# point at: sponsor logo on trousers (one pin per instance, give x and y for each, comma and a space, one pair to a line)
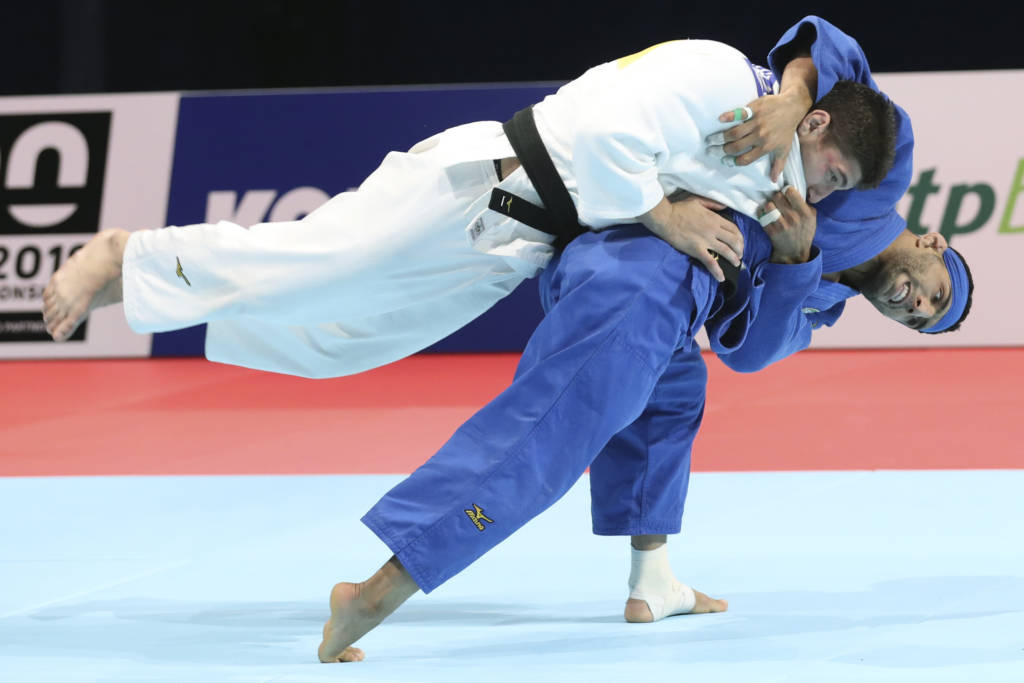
477, 516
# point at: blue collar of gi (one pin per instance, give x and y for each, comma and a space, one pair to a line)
959, 285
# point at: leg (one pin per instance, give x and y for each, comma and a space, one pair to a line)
618, 307
336, 349
639, 481
396, 241
617, 310
399, 238
591, 364
638, 487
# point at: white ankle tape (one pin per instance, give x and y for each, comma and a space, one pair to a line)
651, 580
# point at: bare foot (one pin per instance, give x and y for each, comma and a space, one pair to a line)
638, 612
91, 278
356, 608
338, 634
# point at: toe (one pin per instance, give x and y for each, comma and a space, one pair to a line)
706, 604
52, 321
64, 330
352, 654
349, 654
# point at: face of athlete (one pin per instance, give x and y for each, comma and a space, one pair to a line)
826, 169
911, 284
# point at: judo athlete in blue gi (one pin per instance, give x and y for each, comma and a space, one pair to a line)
612, 370
611, 379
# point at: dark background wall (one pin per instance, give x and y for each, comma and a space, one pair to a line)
67, 46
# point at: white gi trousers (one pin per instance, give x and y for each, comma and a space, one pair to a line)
370, 277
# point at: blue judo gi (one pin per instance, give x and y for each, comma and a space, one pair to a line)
615, 351
612, 378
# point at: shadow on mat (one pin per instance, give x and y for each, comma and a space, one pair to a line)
272, 633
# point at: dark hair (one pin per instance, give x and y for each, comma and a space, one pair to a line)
863, 127
970, 295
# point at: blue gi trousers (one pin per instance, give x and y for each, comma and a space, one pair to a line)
613, 360
638, 482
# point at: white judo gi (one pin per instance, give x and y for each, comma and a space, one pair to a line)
413, 254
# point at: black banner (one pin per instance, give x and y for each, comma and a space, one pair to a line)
52, 168
29, 327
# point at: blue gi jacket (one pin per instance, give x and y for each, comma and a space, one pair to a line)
787, 302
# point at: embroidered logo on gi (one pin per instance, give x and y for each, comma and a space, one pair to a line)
181, 273
477, 516
506, 202
477, 229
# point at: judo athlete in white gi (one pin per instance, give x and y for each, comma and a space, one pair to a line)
412, 255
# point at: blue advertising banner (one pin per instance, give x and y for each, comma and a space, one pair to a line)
256, 157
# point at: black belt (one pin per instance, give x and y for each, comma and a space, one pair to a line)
731, 273
558, 216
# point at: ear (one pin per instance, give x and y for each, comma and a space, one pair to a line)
935, 241
816, 122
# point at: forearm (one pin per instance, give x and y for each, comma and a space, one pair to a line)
656, 220
800, 81
792, 255
836, 55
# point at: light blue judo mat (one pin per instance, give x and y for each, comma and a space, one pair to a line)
840, 576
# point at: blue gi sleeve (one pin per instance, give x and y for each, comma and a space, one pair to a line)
826, 318
773, 325
836, 55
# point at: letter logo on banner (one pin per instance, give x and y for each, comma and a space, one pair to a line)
952, 223
1015, 191
255, 205
51, 172
52, 169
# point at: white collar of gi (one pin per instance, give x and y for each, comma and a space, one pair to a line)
793, 171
